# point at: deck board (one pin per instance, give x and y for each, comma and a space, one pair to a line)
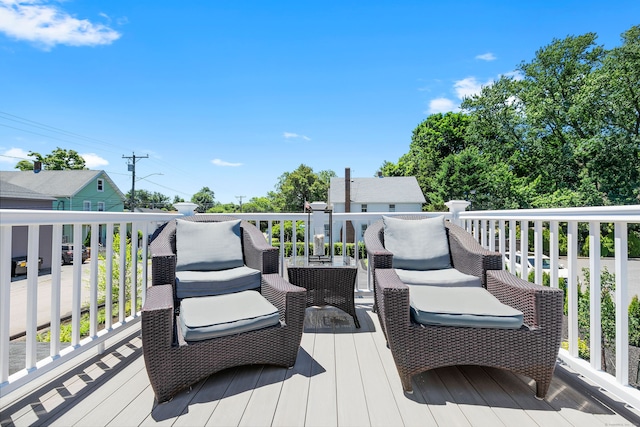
343, 377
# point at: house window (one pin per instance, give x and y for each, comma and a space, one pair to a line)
86, 205
363, 228
392, 208
101, 206
364, 207
101, 185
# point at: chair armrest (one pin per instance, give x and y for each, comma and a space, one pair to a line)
392, 299
258, 254
163, 269
157, 318
289, 299
541, 305
469, 257
377, 255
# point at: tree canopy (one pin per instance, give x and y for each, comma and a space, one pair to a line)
58, 159
300, 186
564, 131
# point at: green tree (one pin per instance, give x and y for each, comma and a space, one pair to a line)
300, 186
205, 199
58, 159
432, 141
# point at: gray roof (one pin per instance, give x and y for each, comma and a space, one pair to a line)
12, 191
404, 189
55, 183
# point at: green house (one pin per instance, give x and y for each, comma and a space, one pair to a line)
71, 190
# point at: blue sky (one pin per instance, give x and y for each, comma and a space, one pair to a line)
231, 94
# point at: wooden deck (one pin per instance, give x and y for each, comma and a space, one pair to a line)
343, 377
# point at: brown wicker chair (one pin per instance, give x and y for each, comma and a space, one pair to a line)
173, 363
531, 350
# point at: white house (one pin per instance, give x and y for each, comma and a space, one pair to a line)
382, 194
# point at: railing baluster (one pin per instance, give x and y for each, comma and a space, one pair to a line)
572, 286
512, 246
537, 250
108, 297
56, 278
622, 303
32, 294
77, 284
122, 279
502, 239
524, 249
134, 269
5, 299
492, 235
595, 320
93, 290
553, 253
145, 261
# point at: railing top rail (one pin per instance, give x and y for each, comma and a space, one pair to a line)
628, 213
48, 217
336, 215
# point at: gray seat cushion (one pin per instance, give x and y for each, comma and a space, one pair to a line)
417, 244
461, 306
204, 318
208, 245
205, 283
445, 277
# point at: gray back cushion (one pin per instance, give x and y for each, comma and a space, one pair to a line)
417, 244
206, 246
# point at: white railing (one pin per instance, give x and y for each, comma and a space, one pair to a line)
496, 230
19, 308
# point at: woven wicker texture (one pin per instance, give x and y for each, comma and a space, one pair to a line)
531, 350
174, 364
332, 286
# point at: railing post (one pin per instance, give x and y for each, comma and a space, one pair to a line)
455, 207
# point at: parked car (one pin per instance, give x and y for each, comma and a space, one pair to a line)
67, 253
563, 273
19, 265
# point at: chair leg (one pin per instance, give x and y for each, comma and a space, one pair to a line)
542, 387
406, 383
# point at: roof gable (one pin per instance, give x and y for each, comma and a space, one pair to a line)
404, 189
55, 183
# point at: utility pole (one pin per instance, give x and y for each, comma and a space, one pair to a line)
240, 199
132, 168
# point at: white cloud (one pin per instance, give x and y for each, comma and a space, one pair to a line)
469, 86
219, 162
441, 105
93, 161
515, 75
47, 26
14, 155
289, 135
486, 57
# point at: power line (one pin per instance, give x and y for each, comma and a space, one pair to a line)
49, 128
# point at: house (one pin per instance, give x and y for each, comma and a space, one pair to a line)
381, 194
70, 190
73, 190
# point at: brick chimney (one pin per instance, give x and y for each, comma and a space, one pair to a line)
347, 203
